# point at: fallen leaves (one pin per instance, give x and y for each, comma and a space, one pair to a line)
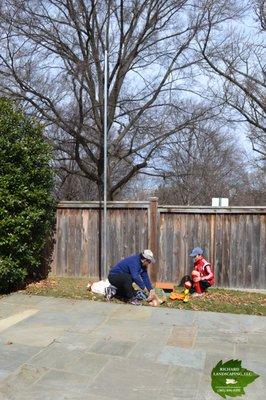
217, 300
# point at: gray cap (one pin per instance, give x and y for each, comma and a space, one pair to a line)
148, 254
196, 251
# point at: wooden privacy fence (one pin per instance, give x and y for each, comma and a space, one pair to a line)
234, 240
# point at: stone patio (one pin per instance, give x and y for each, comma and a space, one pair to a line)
55, 349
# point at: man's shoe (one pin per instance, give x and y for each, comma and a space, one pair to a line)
134, 302
110, 292
140, 295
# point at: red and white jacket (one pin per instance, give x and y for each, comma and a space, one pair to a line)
205, 270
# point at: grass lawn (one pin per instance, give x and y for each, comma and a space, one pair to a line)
217, 300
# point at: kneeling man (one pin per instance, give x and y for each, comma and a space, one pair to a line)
131, 269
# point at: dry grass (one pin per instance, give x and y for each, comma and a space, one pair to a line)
216, 300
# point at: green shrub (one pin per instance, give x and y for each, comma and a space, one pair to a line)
26, 204
11, 276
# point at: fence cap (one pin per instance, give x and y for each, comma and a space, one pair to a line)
126, 204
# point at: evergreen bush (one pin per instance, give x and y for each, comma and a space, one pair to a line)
26, 203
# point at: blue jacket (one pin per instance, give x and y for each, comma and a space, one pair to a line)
132, 265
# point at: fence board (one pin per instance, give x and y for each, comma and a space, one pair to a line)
255, 249
262, 252
226, 254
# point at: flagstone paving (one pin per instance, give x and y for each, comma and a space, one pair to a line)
55, 349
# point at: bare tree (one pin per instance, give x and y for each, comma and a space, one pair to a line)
260, 10
237, 59
253, 190
69, 184
52, 59
206, 163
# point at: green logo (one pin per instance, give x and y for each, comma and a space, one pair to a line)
230, 379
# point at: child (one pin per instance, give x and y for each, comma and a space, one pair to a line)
202, 275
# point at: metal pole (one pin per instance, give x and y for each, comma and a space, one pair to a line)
105, 160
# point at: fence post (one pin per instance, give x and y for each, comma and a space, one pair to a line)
153, 235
